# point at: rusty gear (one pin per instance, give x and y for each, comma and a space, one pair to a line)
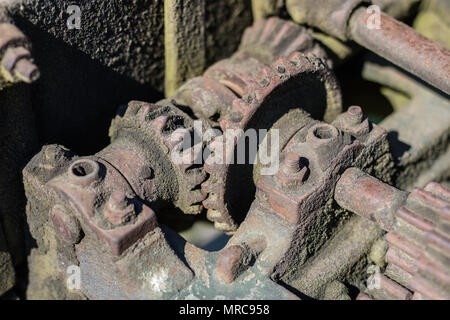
418, 255
326, 204
164, 127
16, 63
274, 92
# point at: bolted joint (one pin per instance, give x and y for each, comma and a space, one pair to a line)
66, 226
293, 170
354, 122
354, 115
118, 209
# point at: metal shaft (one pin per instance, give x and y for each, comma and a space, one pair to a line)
369, 197
403, 46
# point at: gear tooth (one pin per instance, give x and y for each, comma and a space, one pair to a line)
277, 37
211, 188
207, 187
419, 244
196, 178
438, 190
318, 52
211, 204
160, 122
254, 33
173, 140
213, 215
427, 199
302, 42
271, 28
197, 196
133, 107
191, 158
224, 226
246, 37
288, 31
194, 209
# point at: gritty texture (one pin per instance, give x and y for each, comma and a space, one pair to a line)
18, 143
125, 36
184, 39
7, 275
225, 21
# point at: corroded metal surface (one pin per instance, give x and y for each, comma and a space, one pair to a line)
16, 62
347, 20
234, 91
283, 216
415, 53
420, 150
417, 258
339, 217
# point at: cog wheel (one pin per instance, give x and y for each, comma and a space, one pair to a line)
211, 95
166, 128
419, 248
285, 86
272, 38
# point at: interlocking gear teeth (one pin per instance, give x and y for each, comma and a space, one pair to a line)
419, 246
283, 69
272, 38
166, 125
237, 73
208, 98
297, 67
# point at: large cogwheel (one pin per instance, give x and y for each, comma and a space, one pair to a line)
161, 129
298, 82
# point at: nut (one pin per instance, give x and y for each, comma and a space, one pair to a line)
118, 210
353, 122
293, 170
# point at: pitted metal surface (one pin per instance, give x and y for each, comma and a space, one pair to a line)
349, 212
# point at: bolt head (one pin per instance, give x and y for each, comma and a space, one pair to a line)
355, 111
118, 210
292, 171
236, 116
117, 200
353, 121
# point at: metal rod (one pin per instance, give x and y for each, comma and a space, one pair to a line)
400, 44
369, 197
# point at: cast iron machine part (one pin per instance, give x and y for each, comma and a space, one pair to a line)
99, 211
393, 40
295, 232
95, 218
107, 197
